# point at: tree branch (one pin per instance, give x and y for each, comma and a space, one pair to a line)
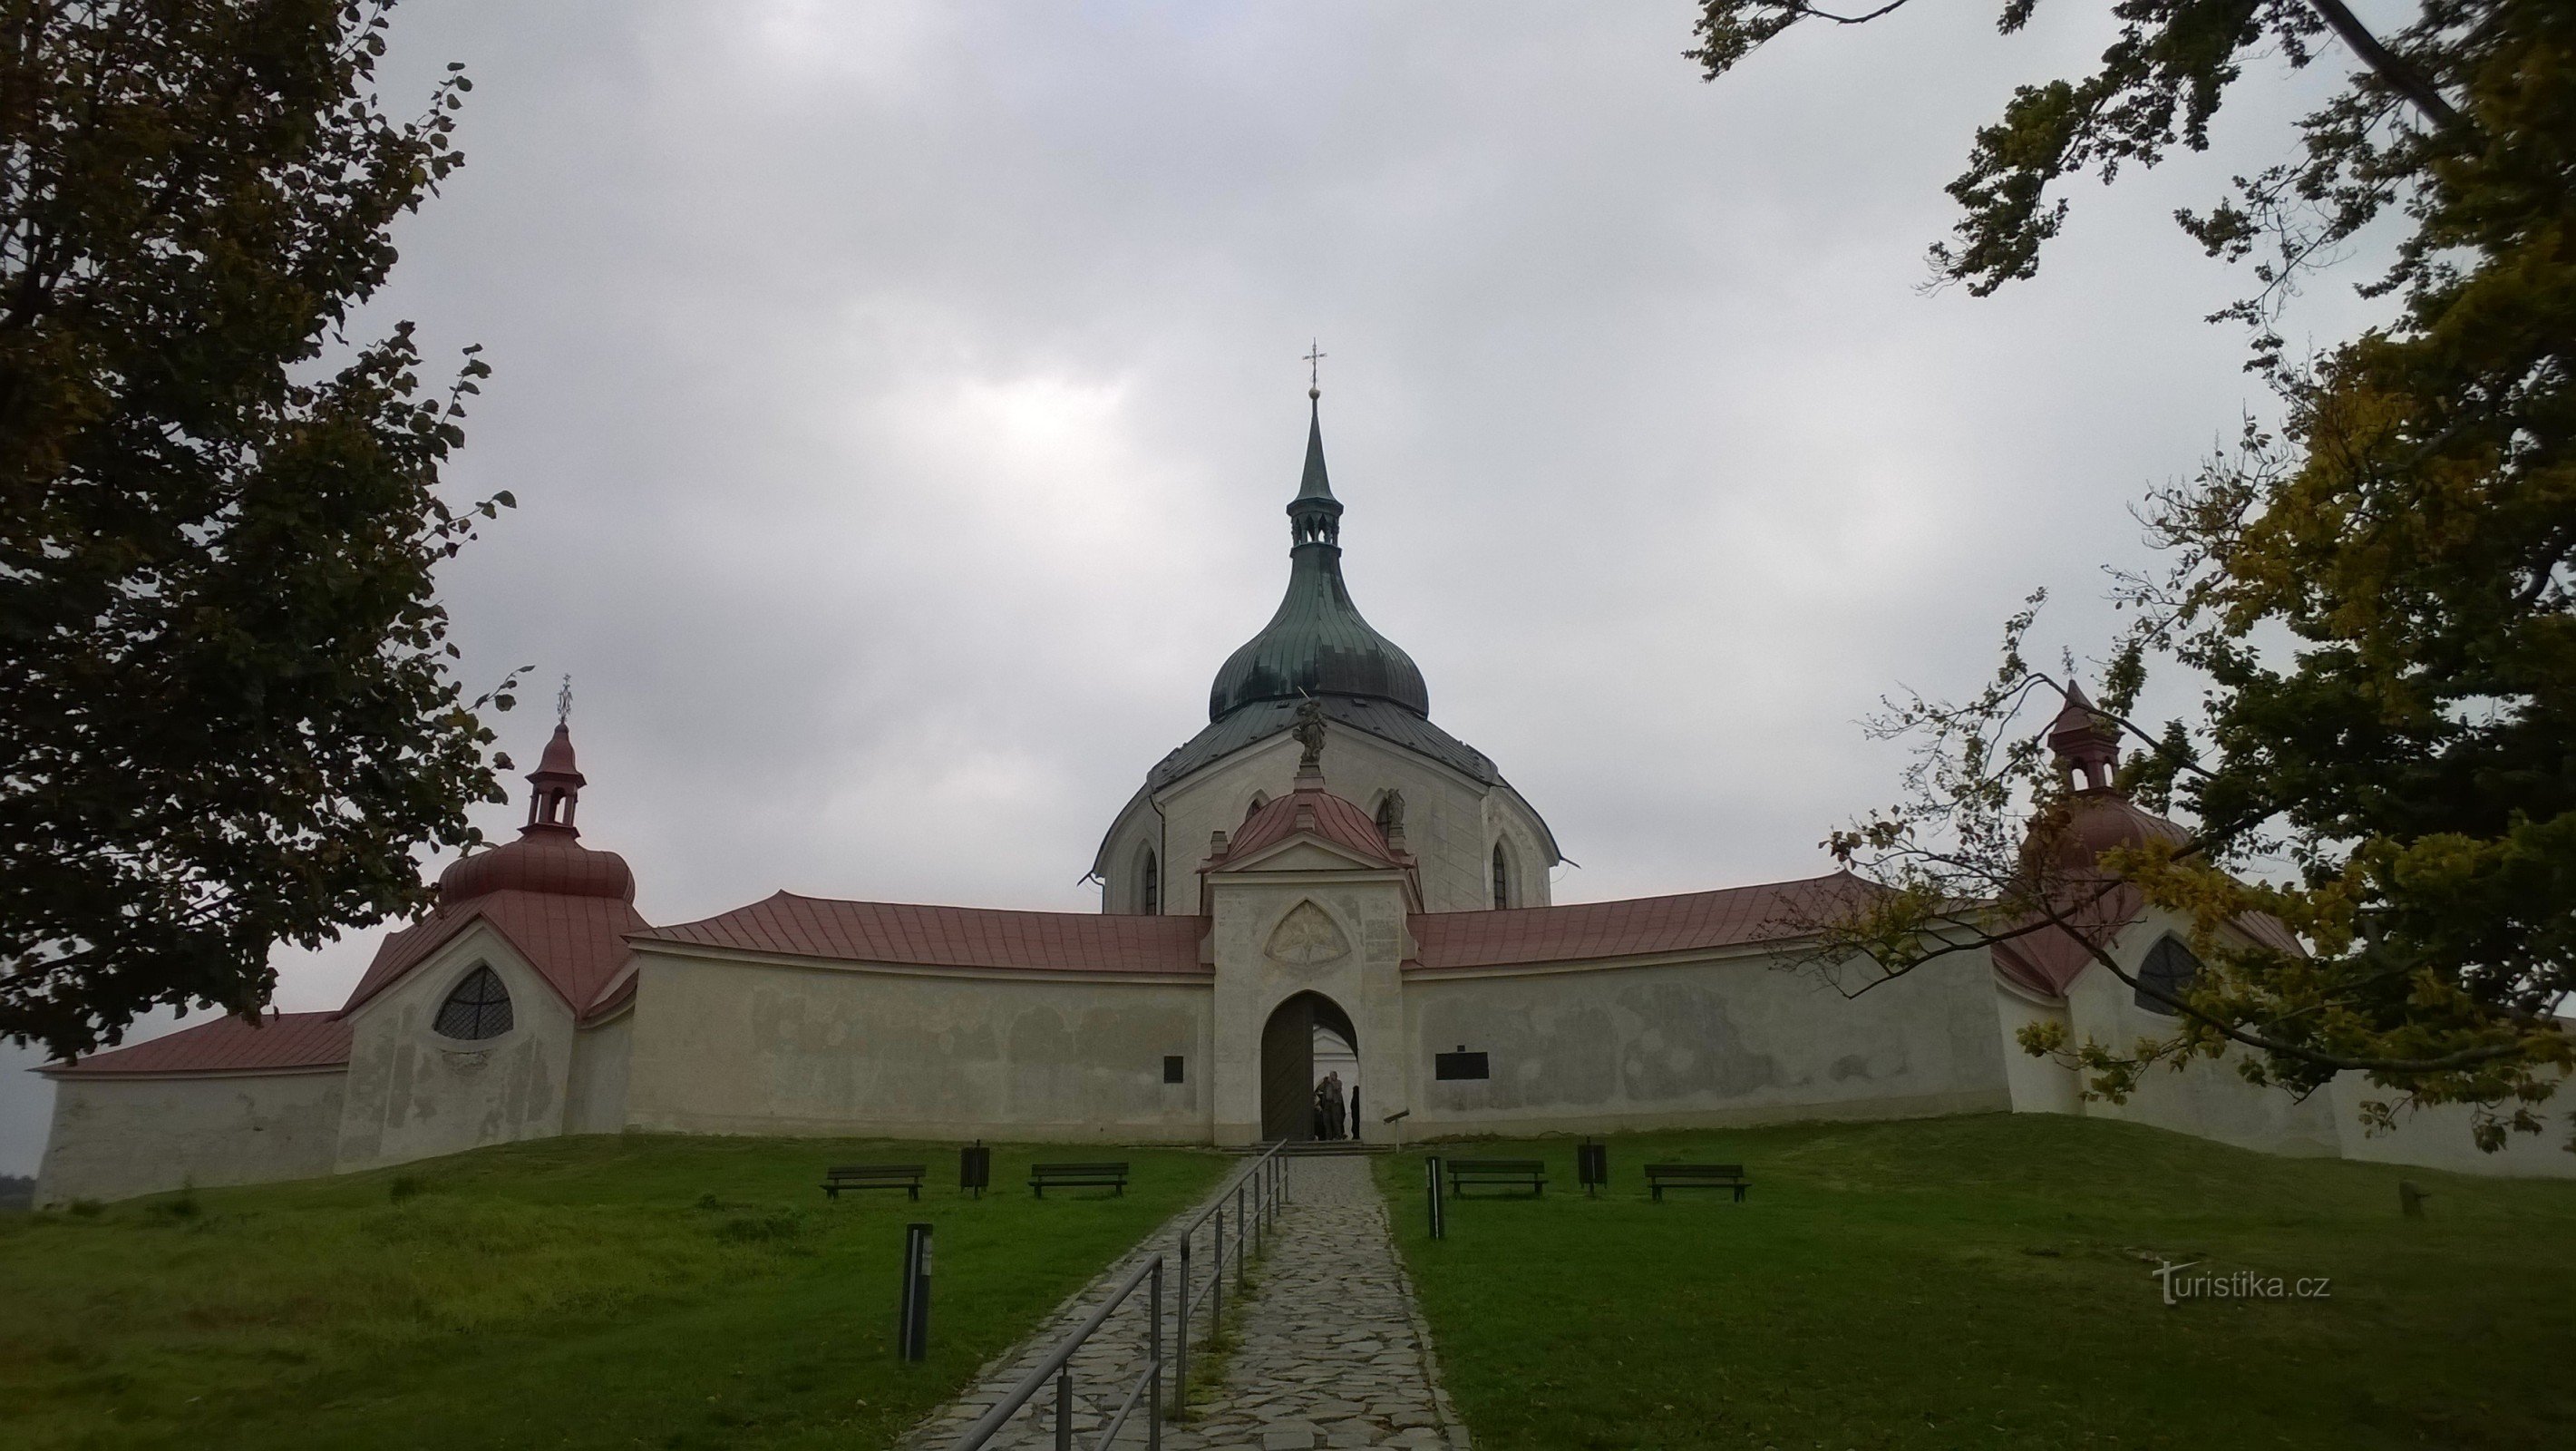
2401, 77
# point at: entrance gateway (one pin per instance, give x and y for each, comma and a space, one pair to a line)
1288, 1062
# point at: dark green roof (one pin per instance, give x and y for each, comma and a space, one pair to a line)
1316, 644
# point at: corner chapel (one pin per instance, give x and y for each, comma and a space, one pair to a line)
1322, 879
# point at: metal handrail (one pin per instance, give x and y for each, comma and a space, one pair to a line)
1266, 1181
1059, 1364
1267, 1177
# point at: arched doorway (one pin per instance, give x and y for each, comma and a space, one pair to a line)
1288, 1062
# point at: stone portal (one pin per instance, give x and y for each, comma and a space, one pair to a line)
1288, 1062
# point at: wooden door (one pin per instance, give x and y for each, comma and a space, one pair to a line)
1288, 1071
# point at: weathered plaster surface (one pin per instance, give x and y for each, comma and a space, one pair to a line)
596, 1096
1739, 1039
1367, 912
748, 1047
116, 1138
1450, 821
413, 1093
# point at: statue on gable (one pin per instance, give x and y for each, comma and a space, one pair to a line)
1309, 731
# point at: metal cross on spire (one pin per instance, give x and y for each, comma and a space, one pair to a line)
1315, 355
563, 702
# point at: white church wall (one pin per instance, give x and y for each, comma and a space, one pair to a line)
2205, 1097
744, 1046
1367, 909
116, 1138
595, 1097
2038, 1085
1450, 821
414, 1093
2438, 1137
1730, 1040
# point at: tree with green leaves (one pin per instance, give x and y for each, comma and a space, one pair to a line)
2374, 594
227, 713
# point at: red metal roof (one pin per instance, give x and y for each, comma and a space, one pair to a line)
919, 936
280, 1041
576, 943
2049, 959
1640, 925
1315, 810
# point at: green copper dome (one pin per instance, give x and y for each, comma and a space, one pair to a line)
1316, 644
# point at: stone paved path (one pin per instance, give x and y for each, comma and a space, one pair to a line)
1331, 1353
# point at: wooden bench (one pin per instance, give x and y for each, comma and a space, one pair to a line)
1506, 1173
906, 1177
1659, 1177
1043, 1177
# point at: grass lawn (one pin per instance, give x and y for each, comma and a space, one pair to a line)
616, 1291
1979, 1281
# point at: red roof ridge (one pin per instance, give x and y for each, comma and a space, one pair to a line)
276, 1043
574, 943
1630, 927
1317, 812
929, 935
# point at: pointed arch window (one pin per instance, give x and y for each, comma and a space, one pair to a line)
1390, 814
1259, 800
478, 1008
1149, 895
2167, 974
1502, 877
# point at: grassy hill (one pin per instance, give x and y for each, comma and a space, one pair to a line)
1986, 1281
627, 1291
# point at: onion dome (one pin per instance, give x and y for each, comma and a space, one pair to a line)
548, 857
1317, 644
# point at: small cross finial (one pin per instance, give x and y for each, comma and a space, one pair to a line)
563, 702
1315, 355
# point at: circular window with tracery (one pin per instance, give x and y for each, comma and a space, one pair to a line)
479, 1008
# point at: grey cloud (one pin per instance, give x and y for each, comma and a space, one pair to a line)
902, 400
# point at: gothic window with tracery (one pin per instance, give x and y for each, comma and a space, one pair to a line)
478, 1008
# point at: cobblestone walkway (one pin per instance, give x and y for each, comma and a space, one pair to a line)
1331, 1351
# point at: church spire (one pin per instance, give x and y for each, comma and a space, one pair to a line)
1317, 644
1314, 516
557, 780
2086, 742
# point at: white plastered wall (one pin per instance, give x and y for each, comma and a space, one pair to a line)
1451, 821
746, 1045
596, 1098
414, 1093
1730, 1039
1368, 909
115, 1138
2209, 1099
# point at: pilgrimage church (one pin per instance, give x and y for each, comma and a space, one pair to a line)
1324, 875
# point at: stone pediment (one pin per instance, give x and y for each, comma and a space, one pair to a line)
1308, 856
1307, 937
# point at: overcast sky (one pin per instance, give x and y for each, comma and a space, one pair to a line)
901, 401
